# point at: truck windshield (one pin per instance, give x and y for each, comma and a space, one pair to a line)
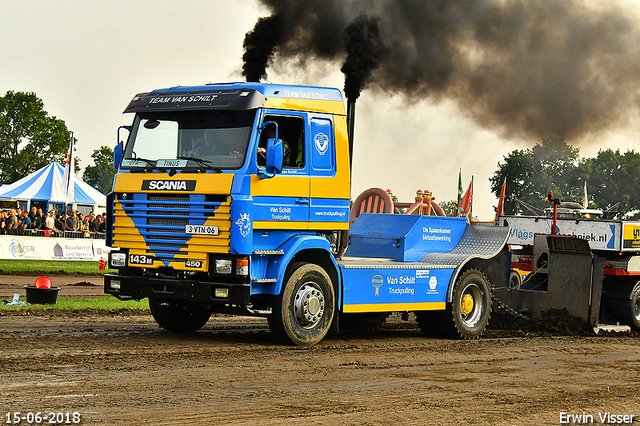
211, 139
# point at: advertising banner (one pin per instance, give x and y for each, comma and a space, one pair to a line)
600, 234
43, 248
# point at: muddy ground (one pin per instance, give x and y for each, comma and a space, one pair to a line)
119, 368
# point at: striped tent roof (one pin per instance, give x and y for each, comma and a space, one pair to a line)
46, 185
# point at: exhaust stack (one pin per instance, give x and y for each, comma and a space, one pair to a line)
351, 117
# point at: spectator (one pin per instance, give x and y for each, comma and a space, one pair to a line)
25, 223
42, 217
93, 224
71, 223
3, 217
50, 224
101, 224
11, 222
84, 226
59, 224
35, 218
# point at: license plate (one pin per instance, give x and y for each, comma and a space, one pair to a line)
201, 230
193, 264
140, 259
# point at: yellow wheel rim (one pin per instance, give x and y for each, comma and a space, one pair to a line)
466, 305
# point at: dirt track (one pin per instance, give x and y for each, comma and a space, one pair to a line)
118, 368
70, 285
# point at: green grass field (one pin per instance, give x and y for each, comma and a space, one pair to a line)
49, 266
105, 303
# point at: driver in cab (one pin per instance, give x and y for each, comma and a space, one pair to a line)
207, 146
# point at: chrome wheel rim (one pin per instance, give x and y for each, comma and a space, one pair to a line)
309, 305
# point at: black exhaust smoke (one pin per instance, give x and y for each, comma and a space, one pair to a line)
532, 69
361, 39
259, 45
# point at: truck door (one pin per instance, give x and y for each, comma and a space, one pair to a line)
282, 202
329, 202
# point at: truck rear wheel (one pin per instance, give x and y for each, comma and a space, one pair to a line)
515, 281
470, 309
178, 317
305, 307
628, 308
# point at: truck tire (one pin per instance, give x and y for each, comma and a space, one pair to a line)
470, 309
628, 308
179, 317
304, 310
515, 281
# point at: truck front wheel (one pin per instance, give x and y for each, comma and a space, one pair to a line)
305, 307
179, 317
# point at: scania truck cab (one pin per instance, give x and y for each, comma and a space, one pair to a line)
234, 198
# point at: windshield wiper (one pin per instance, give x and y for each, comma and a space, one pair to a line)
201, 162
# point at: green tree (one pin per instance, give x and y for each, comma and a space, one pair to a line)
101, 174
29, 138
518, 170
613, 177
530, 173
448, 207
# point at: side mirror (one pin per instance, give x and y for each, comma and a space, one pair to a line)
275, 155
275, 158
118, 150
117, 154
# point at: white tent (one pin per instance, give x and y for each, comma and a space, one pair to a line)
46, 185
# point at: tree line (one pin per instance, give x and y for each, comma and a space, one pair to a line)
31, 139
612, 178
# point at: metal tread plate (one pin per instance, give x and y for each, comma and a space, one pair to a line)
482, 242
374, 263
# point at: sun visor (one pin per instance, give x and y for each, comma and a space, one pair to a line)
227, 99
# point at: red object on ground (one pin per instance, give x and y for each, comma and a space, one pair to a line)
101, 265
43, 282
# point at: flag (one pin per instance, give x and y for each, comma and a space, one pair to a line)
465, 203
585, 201
455, 212
500, 208
68, 176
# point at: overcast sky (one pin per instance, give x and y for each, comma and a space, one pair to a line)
87, 59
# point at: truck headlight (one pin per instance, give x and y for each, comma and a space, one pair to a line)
115, 285
223, 266
118, 260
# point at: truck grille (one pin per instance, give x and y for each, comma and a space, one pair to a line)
161, 220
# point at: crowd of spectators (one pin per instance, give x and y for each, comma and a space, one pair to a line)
37, 223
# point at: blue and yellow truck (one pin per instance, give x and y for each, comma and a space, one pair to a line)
235, 198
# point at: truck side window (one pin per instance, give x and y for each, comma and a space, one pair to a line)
291, 131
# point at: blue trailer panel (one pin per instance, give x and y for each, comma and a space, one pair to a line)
375, 286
